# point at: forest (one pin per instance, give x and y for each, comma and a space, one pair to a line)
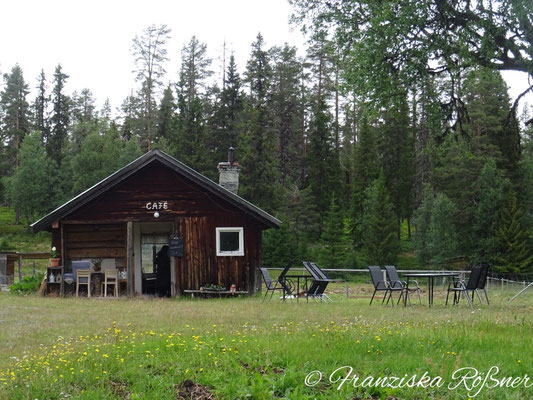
366, 147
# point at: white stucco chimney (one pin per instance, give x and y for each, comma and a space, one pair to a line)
229, 173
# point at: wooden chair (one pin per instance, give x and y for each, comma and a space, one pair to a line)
110, 278
83, 277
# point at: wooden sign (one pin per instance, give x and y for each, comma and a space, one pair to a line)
175, 247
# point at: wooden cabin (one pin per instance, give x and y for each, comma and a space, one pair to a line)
214, 236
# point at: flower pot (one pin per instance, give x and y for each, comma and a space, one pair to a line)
54, 262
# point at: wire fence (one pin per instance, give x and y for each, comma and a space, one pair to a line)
353, 280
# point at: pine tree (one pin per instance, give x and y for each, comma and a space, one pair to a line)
60, 117
190, 142
258, 142
40, 109
14, 121
379, 225
515, 256
150, 55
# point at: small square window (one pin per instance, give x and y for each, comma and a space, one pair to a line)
230, 241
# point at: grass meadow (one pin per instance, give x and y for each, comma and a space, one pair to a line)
56, 348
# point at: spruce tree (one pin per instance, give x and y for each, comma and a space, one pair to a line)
379, 225
60, 117
257, 146
190, 142
491, 186
422, 219
40, 109
165, 117
442, 237
14, 122
332, 250
515, 256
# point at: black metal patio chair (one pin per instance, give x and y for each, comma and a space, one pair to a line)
319, 282
380, 284
483, 281
281, 284
459, 287
395, 282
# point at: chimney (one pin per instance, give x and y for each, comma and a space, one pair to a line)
229, 173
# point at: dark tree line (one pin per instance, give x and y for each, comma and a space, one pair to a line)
356, 179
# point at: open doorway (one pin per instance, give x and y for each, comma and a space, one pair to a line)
152, 262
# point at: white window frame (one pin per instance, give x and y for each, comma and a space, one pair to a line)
240, 251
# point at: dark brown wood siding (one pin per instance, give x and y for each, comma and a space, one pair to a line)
200, 264
95, 241
155, 183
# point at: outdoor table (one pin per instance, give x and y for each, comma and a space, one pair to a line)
298, 277
431, 281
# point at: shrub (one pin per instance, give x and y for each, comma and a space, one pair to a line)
29, 284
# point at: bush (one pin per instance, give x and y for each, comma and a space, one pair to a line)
29, 284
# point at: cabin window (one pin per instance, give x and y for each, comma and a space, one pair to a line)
230, 241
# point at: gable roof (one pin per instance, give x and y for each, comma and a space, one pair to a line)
135, 166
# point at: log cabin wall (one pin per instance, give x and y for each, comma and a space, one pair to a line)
95, 241
200, 264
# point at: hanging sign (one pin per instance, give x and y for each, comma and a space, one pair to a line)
175, 247
156, 205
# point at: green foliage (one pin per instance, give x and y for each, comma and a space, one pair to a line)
29, 284
422, 220
491, 185
515, 256
97, 159
442, 238
279, 247
391, 44
379, 225
60, 119
333, 249
32, 187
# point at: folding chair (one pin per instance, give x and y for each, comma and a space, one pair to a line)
382, 285
272, 286
395, 282
483, 281
323, 280
462, 287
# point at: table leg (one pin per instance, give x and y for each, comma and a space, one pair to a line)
405, 294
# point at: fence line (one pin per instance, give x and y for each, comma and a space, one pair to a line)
491, 280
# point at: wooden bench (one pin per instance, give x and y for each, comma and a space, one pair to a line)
219, 293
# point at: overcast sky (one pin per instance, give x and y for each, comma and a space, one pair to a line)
92, 39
